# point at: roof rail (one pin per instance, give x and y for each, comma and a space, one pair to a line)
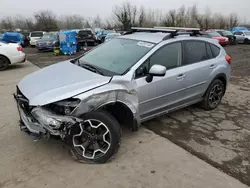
172, 31
179, 28
150, 30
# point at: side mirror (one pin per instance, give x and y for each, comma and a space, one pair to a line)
156, 70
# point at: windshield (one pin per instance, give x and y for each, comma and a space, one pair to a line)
227, 33
85, 32
36, 34
49, 36
113, 35
247, 33
214, 34
117, 56
108, 31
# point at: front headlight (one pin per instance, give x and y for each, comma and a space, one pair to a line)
46, 117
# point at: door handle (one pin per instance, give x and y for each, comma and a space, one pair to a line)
181, 76
212, 66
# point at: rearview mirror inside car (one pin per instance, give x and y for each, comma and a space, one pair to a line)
156, 70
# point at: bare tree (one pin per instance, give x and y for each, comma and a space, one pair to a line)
45, 20
23, 23
142, 17
181, 17
125, 14
97, 22
87, 24
7, 23
233, 20
71, 22
207, 18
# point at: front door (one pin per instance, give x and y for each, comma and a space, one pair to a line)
163, 92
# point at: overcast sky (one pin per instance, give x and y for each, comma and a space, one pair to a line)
90, 8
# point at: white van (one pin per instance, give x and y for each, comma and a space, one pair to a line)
35, 36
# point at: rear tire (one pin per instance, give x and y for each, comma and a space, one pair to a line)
96, 145
246, 41
4, 63
213, 95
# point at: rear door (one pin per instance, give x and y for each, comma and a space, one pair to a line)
197, 65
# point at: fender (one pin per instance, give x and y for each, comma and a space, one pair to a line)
108, 94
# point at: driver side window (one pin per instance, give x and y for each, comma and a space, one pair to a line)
168, 56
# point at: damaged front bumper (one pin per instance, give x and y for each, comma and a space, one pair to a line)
37, 120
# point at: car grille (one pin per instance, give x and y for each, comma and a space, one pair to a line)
23, 101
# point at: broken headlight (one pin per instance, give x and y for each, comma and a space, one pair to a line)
64, 107
48, 118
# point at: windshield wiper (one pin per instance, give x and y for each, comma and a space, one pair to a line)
91, 68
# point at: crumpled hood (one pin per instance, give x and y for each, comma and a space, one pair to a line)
59, 81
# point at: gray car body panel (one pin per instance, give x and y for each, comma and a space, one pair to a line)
57, 82
145, 100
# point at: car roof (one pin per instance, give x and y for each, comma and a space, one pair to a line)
158, 37
145, 36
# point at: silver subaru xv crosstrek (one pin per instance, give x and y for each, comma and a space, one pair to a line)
128, 80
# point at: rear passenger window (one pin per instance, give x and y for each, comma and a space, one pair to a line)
209, 52
194, 51
215, 50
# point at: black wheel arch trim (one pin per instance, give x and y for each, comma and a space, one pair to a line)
218, 76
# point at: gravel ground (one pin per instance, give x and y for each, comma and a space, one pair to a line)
220, 137
144, 160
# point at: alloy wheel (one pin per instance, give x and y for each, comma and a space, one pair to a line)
93, 140
215, 95
3, 64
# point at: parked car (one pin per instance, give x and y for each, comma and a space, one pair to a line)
86, 36
13, 37
215, 35
102, 34
111, 36
48, 42
10, 53
242, 36
34, 37
225, 33
128, 80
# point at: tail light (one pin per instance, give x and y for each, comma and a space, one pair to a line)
19, 48
228, 59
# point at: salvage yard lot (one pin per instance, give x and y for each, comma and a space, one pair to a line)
220, 137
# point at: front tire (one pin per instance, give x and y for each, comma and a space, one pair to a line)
213, 95
4, 63
97, 139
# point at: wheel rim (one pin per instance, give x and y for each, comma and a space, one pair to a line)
93, 140
3, 64
215, 95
